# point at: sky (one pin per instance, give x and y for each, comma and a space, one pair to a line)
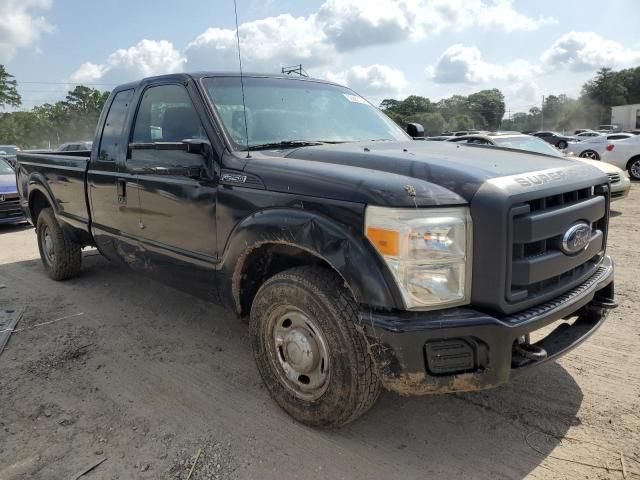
380, 48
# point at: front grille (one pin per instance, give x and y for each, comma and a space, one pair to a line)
560, 301
10, 207
539, 269
613, 177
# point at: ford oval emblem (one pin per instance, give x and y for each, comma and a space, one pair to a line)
577, 238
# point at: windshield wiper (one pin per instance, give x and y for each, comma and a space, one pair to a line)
286, 143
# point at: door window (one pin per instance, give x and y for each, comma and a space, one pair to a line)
166, 114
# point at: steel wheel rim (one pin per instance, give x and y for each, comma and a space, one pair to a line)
635, 169
47, 246
299, 353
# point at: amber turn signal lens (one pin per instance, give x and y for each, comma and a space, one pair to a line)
387, 242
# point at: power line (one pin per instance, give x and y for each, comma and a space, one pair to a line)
67, 83
42, 91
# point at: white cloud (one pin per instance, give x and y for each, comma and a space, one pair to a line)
316, 40
523, 91
351, 24
458, 15
375, 80
462, 64
585, 51
344, 25
501, 14
266, 45
88, 72
145, 59
19, 26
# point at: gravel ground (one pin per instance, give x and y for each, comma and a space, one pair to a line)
146, 376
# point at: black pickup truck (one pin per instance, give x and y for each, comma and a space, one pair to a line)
365, 258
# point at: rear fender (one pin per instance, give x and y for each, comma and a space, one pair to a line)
38, 183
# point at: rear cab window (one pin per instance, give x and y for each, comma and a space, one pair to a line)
113, 127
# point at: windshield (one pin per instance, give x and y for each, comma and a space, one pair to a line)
531, 144
293, 111
5, 168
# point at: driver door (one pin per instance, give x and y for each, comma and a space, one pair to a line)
177, 195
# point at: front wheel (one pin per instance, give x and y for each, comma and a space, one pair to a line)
562, 145
590, 154
634, 168
61, 255
312, 358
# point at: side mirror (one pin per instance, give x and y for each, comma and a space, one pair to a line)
415, 130
197, 146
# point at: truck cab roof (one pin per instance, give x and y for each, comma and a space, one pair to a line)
183, 77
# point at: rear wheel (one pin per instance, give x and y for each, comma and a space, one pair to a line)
313, 360
590, 154
634, 168
61, 255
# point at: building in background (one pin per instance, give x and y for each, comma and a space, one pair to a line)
626, 116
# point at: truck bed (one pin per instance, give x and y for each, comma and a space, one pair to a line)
60, 176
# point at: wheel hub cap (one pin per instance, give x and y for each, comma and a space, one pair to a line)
300, 350
300, 353
48, 246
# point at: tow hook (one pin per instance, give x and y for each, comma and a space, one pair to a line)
525, 350
607, 305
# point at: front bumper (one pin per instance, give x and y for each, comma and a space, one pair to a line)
620, 190
8, 221
462, 349
11, 212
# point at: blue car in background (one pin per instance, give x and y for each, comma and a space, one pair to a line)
10, 211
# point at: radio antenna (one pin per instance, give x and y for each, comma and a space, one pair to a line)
244, 106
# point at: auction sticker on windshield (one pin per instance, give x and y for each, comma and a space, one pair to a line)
355, 98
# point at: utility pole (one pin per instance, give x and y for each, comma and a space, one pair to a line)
542, 115
509, 119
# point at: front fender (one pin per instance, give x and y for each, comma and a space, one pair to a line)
351, 256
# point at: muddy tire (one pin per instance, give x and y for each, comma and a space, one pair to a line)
312, 358
61, 256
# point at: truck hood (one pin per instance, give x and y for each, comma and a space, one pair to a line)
411, 173
8, 184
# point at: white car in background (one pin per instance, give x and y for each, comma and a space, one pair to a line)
625, 154
620, 184
588, 133
594, 146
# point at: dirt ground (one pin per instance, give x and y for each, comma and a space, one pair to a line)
144, 376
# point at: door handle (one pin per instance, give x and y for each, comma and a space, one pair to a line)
121, 186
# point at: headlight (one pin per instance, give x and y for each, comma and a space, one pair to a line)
428, 252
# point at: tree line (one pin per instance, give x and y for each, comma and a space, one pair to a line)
485, 110
48, 125
76, 117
